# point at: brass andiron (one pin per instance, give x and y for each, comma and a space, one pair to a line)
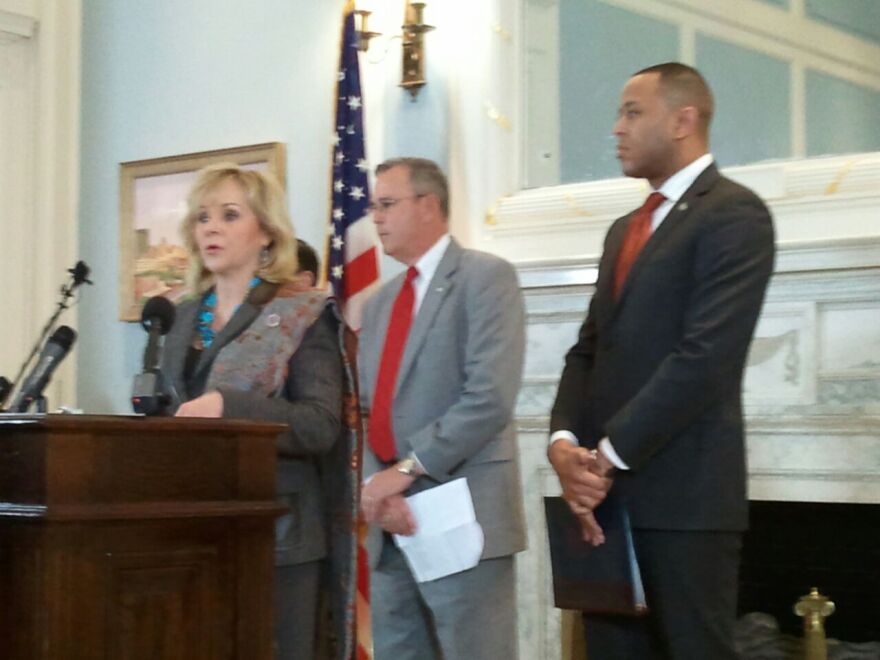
814, 608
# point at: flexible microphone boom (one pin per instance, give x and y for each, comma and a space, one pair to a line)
57, 346
79, 275
148, 395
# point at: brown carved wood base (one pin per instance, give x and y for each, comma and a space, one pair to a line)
135, 563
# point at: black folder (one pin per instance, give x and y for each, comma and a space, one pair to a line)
596, 580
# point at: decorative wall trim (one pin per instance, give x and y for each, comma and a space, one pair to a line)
823, 255
14, 27
557, 272
818, 425
15, 24
806, 256
773, 30
570, 221
776, 182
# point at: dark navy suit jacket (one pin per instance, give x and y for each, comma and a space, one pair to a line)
659, 370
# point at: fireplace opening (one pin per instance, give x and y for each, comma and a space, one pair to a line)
792, 547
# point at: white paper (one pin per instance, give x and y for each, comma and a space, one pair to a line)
448, 538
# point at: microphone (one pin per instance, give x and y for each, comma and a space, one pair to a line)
57, 346
148, 396
80, 273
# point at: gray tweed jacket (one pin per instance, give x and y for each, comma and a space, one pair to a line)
310, 404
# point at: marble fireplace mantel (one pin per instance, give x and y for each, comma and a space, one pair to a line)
812, 387
811, 392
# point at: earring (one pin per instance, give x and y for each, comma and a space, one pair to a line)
264, 256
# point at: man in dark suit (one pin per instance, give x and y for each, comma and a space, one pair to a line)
649, 402
440, 363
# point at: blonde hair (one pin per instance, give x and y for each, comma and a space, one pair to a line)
265, 197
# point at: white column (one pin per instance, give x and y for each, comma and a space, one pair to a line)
39, 172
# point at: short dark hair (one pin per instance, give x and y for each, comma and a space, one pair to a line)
307, 257
684, 85
425, 176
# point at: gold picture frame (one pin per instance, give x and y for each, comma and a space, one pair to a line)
152, 204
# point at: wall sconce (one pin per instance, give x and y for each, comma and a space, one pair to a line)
361, 17
412, 39
414, 28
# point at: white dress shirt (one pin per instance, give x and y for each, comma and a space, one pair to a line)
427, 266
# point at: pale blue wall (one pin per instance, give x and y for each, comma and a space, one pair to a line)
603, 46
421, 127
753, 109
860, 17
166, 77
842, 117
784, 4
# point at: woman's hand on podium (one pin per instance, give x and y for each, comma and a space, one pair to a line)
207, 405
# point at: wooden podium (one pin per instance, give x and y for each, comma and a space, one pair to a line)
129, 538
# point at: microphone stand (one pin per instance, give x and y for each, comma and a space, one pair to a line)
78, 274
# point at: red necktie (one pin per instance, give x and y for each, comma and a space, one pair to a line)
637, 234
381, 433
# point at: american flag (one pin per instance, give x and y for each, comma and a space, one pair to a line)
353, 270
353, 258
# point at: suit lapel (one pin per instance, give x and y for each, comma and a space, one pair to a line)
671, 223
439, 288
604, 293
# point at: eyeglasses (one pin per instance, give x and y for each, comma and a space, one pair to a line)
387, 203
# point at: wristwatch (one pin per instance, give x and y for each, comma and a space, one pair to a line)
407, 466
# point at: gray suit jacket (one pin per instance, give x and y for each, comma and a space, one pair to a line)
311, 406
456, 388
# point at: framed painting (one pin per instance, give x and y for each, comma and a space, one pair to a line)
152, 197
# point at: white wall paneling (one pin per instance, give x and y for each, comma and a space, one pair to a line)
39, 171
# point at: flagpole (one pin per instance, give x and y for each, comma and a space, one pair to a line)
351, 267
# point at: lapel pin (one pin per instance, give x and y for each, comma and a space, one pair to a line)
273, 320
683, 206
439, 289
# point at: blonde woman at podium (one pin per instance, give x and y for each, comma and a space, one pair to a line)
256, 342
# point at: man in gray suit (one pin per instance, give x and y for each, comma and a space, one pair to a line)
441, 352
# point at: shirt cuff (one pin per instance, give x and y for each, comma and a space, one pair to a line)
606, 448
421, 468
568, 436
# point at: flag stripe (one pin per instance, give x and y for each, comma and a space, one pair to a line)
355, 306
360, 272
360, 236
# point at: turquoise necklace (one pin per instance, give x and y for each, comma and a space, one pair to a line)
206, 314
